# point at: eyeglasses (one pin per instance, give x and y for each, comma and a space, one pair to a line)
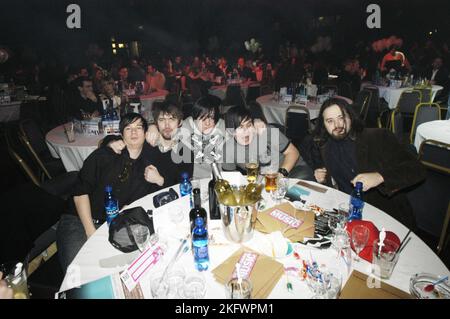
123, 177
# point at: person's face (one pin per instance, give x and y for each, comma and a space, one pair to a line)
84, 72
150, 69
206, 123
123, 73
337, 124
245, 132
133, 134
86, 88
241, 62
178, 59
108, 88
167, 125
99, 75
437, 63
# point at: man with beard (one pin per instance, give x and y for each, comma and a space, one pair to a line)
171, 155
345, 152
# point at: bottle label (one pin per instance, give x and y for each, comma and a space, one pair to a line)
111, 213
201, 252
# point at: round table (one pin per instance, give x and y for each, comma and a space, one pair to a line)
221, 90
434, 130
147, 102
72, 154
275, 111
98, 258
392, 95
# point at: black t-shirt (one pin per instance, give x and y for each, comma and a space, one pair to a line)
77, 104
125, 175
341, 158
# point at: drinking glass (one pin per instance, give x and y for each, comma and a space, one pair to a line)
324, 282
69, 130
252, 171
271, 181
360, 236
281, 190
384, 259
238, 290
194, 287
141, 236
340, 241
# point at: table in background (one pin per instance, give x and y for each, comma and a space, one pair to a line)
416, 257
392, 95
434, 130
72, 154
11, 111
221, 90
147, 102
275, 110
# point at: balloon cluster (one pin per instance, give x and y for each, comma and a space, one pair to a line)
252, 45
384, 44
322, 44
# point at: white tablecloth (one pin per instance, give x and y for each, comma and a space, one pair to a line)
97, 258
434, 130
10, 111
72, 154
220, 90
392, 95
275, 111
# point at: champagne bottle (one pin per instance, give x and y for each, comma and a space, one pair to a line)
214, 212
223, 190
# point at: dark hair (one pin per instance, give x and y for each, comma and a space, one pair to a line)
236, 115
206, 106
166, 107
321, 134
129, 118
79, 81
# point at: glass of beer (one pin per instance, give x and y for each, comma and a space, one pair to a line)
252, 171
271, 181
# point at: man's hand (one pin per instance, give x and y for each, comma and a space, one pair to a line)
117, 146
369, 180
152, 135
151, 175
321, 175
5, 292
260, 126
91, 96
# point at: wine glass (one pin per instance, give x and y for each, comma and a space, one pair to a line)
281, 190
141, 236
360, 236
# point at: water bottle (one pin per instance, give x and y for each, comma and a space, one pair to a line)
186, 187
111, 205
200, 245
356, 202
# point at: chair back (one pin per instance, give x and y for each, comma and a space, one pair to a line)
361, 103
253, 92
298, 123
345, 89
425, 112
430, 200
19, 156
396, 124
234, 96
408, 102
426, 94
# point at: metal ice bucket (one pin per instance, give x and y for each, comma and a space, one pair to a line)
238, 222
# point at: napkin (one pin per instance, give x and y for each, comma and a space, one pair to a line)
366, 253
262, 271
293, 223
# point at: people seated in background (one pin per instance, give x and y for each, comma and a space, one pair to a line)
244, 71
391, 57
172, 156
97, 80
439, 75
154, 80
351, 75
135, 72
132, 175
345, 153
269, 147
123, 83
107, 94
85, 104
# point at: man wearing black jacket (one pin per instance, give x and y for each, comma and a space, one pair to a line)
348, 153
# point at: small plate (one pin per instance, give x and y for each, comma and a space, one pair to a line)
419, 281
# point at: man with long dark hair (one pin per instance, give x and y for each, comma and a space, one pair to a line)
346, 152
